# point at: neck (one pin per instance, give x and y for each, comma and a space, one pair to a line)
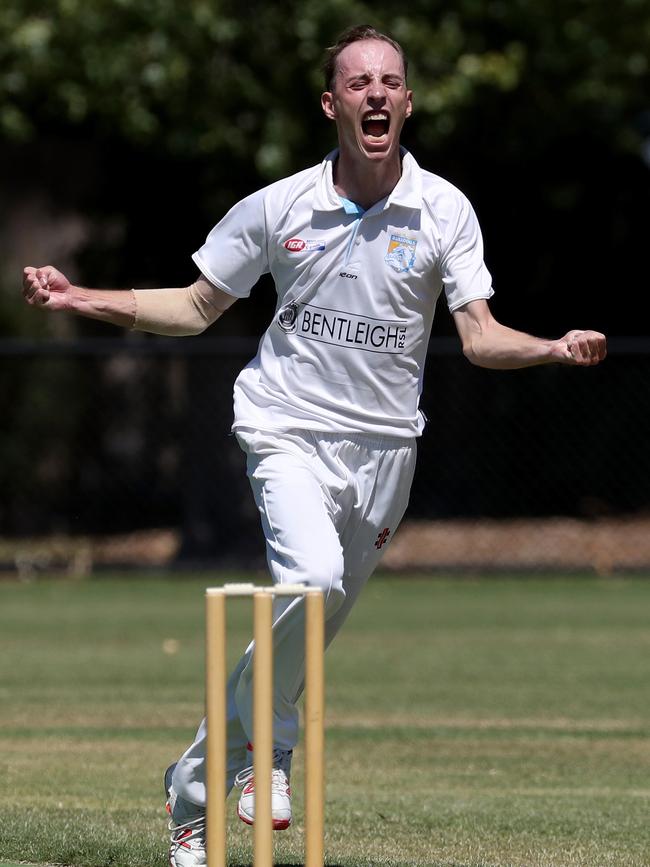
364, 181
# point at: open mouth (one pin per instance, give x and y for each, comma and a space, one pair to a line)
375, 124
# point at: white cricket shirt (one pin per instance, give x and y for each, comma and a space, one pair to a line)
356, 296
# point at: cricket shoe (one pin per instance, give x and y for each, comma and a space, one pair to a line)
280, 792
186, 826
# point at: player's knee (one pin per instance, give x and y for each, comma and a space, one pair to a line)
327, 574
324, 571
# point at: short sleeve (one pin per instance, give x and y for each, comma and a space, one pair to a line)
234, 255
463, 270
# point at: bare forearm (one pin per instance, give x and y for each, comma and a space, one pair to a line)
116, 306
487, 343
174, 311
501, 348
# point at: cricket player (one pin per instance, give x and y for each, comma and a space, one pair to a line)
360, 247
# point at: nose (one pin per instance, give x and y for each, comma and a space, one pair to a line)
377, 98
377, 93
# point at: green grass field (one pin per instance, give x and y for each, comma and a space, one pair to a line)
496, 722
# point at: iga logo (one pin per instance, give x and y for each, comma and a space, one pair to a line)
295, 245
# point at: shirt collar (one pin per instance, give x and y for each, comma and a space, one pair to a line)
407, 192
325, 196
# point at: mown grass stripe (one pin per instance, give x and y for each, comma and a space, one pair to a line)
498, 723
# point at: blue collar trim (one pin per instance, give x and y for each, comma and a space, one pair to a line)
351, 207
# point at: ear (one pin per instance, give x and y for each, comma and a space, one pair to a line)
409, 103
327, 103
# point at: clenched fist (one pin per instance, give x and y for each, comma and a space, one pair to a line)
582, 347
46, 287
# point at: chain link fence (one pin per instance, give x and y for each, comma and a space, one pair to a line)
118, 452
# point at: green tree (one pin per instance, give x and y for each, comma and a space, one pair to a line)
215, 78
226, 96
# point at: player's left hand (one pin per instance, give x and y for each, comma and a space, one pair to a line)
583, 348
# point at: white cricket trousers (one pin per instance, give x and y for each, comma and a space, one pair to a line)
329, 504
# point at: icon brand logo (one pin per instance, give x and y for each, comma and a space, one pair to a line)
349, 276
295, 245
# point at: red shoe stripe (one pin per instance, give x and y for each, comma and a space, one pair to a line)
278, 824
181, 837
281, 824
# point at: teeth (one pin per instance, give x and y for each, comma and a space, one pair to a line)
376, 117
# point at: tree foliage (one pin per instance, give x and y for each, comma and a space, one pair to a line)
211, 77
151, 117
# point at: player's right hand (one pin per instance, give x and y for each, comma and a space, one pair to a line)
46, 287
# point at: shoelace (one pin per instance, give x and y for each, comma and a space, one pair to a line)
196, 827
278, 780
243, 777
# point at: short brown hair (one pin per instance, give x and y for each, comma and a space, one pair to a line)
355, 34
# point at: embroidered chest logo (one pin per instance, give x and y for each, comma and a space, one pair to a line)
401, 253
297, 245
288, 318
382, 538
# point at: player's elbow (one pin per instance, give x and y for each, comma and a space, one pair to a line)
188, 331
482, 355
471, 351
170, 312
481, 341
195, 324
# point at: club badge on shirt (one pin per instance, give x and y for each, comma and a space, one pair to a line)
401, 253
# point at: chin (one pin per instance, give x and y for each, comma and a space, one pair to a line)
377, 150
